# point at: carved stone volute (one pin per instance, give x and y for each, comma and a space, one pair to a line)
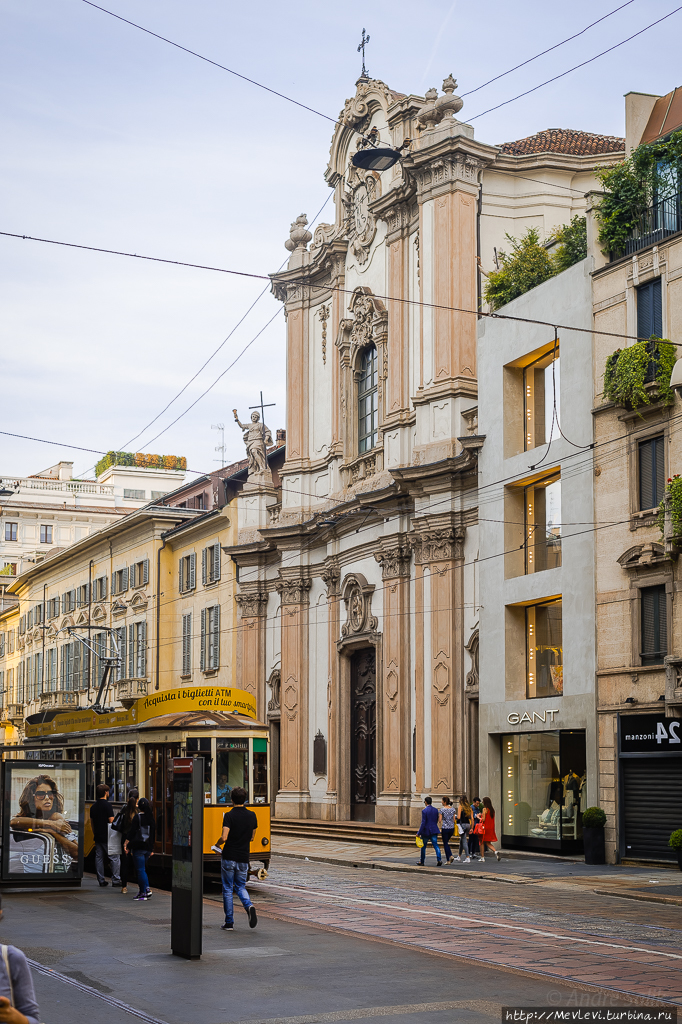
437, 545
293, 589
394, 558
252, 603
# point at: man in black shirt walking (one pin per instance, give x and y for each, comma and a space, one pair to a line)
239, 828
101, 816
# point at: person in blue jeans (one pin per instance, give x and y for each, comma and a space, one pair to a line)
239, 829
142, 836
429, 830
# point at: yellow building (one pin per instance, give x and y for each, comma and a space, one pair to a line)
152, 590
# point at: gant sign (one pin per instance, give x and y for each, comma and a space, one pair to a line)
535, 716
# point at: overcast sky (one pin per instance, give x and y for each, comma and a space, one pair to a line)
114, 139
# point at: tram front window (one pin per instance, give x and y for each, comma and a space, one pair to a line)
202, 748
232, 768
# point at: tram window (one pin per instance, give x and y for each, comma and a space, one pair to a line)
232, 768
90, 774
196, 745
260, 777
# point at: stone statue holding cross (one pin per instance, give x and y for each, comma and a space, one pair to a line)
256, 438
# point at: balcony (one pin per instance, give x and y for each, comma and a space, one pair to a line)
15, 713
662, 219
58, 699
128, 691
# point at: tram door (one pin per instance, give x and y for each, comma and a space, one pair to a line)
160, 791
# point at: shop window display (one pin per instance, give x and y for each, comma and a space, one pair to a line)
545, 791
544, 650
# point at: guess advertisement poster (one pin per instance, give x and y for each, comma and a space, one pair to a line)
43, 819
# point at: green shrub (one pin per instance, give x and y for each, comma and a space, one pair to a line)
530, 263
673, 490
572, 239
676, 839
627, 369
631, 186
594, 817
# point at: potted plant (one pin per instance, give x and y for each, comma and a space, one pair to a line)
676, 842
594, 820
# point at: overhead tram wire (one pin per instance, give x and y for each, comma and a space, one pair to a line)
343, 291
583, 64
542, 53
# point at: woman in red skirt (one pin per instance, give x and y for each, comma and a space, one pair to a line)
488, 821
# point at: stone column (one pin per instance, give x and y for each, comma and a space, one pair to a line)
441, 550
251, 644
331, 576
393, 688
294, 796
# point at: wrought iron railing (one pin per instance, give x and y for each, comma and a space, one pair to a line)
660, 220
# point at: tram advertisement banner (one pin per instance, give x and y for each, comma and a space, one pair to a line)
226, 699
43, 820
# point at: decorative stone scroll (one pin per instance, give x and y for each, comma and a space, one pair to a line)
437, 545
275, 683
252, 603
331, 574
394, 559
293, 589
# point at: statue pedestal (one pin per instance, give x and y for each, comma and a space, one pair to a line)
253, 502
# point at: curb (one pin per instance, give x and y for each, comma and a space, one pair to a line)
675, 901
411, 869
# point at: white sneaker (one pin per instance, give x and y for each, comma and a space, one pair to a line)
458, 857
467, 860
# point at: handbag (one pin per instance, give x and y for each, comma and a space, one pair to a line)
478, 829
117, 823
419, 841
114, 841
460, 830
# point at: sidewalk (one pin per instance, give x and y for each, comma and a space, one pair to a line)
660, 884
105, 959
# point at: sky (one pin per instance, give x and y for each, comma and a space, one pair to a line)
114, 139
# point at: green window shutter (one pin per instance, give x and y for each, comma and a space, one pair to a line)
186, 644
142, 649
145, 571
204, 559
203, 639
192, 571
124, 579
216, 561
181, 575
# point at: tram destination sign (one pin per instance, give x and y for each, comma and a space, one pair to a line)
225, 699
650, 734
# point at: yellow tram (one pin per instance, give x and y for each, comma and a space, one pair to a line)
135, 748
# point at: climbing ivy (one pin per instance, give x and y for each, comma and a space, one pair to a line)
673, 490
652, 172
627, 369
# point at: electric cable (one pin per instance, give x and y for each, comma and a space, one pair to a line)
346, 291
542, 53
576, 68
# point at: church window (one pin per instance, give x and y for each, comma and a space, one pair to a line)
368, 403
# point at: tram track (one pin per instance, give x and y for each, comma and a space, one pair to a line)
90, 991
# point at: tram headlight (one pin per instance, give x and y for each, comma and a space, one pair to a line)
265, 841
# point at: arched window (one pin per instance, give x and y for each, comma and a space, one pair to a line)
368, 404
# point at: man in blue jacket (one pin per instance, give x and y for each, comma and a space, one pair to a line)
429, 830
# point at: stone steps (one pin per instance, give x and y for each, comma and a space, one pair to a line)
345, 831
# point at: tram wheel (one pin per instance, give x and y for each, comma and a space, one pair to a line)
261, 874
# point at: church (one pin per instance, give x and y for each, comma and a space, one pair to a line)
358, 581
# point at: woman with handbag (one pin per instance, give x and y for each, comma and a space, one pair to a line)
464, 819
123, 823
17, 997
488, 836
140, 841
447, 826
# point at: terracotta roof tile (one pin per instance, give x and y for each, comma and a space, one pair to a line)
565, 140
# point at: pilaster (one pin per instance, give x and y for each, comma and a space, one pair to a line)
293, 797
252, 603
394, 684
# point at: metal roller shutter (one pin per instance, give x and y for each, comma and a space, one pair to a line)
652, 805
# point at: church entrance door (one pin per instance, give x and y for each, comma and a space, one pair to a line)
363, 735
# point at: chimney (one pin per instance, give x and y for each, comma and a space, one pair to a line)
281, 436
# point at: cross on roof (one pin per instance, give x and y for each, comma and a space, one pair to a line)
363, 44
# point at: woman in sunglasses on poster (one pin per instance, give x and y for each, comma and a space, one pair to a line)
40, 810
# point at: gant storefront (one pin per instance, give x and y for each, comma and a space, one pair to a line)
540, 757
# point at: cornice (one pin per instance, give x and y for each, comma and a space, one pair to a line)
465, 462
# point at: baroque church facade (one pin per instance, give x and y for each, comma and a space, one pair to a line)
358, 585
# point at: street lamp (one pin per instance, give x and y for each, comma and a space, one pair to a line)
375, 159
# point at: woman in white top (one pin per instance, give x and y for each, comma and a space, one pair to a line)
447, 826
